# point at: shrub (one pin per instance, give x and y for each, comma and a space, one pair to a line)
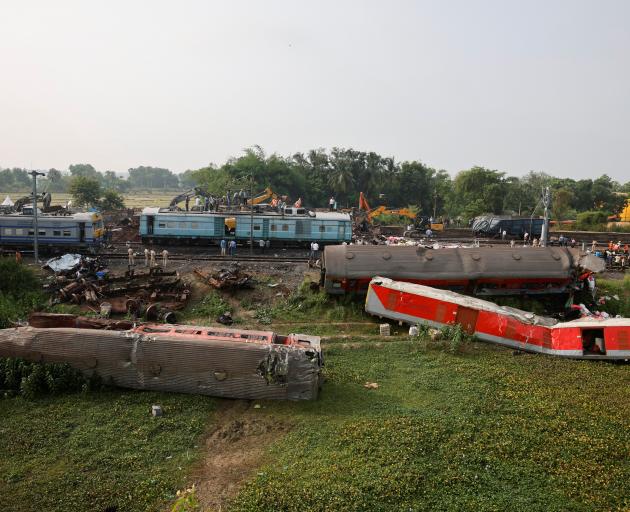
31, 380
591, 221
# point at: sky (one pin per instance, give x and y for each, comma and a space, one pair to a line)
506, 84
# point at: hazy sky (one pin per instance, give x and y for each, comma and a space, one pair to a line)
511, 85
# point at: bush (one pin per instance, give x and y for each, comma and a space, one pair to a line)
31, 380
592, 221
19, 292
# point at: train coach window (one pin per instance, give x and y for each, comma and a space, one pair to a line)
66, 232
274, 227
161, 224
182, 225
56, 232
19, 231
285, 227
322, 229
194, 225
256, 228
171, 225
31, 232
593, 341
42, 232
8, 231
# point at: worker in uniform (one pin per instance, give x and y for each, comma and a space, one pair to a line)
331, 204
223, 246
261, 245
164, 258
146, 257
152, 261
132, 260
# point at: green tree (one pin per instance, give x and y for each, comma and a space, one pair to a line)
84, 170
476, 188
561, 203
85, 191
112, 200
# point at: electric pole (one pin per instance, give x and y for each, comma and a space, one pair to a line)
251, 214
546, 199
34, 174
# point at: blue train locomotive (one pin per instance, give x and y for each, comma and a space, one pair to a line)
55, 232
290, 226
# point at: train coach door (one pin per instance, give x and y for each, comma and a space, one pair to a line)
467, 318
81, 231
342, 231
265, 230
150, 220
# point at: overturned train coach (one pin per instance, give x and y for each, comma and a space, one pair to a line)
483, 271
585, 338
179, 358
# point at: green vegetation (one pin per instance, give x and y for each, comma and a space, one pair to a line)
19, 292
318, 174
209, 308
620, 288
479, 430
32, 380
81, 452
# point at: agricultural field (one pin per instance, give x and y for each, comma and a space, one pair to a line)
135, 199
447, 424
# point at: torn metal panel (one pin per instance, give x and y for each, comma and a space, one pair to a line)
182, 358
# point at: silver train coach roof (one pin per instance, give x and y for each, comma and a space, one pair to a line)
414, 262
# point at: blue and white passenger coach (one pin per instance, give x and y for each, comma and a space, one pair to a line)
62, 232
292, 226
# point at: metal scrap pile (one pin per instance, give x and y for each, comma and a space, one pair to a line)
225, 279
153, 294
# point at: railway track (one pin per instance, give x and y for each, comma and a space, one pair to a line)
214, 257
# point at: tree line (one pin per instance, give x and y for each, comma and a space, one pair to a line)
343, 173
317, 175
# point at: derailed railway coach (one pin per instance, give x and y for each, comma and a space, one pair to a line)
291, 226
584, 338
56, 232
484, 271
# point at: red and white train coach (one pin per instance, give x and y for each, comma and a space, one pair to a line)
585, 338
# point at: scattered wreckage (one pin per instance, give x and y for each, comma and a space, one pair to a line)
153, 293
584, 338
226, 278
211, 361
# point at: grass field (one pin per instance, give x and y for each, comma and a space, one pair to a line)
91, 451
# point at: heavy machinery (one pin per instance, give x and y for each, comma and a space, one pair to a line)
262, 197
420, 223
189, 194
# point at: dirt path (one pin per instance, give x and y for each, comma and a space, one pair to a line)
234, 448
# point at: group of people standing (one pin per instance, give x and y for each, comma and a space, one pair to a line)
150, 257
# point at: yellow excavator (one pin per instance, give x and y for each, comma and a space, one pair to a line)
261, 197
418, 221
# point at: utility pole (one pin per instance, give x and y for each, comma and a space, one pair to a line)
34, 174
251, 214
434, 204
546, 199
